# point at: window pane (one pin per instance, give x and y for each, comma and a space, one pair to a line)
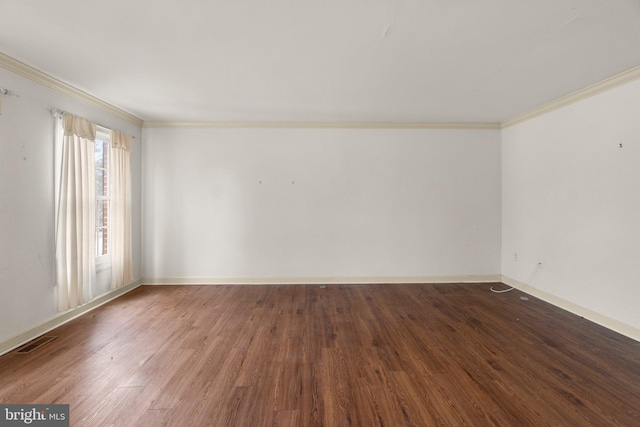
102, 207
100, 187
102, 165
101, 242
105, 154
102, 192
99, 154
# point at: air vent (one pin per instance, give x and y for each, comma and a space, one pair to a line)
37, 343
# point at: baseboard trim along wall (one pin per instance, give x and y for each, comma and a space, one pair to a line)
16, 341
489, 278
24, 337
607, 322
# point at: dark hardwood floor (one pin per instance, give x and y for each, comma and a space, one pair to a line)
354, 355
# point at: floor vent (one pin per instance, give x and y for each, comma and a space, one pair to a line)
38, 342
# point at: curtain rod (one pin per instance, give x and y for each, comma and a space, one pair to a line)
57, 113
8, 92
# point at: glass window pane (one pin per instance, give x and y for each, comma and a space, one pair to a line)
101, 213
105, 213
102, 191
100, 188
105, 240
105, 183
100, 242
105, 154
99, 154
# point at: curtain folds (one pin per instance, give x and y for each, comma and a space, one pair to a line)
75, 220
120, 176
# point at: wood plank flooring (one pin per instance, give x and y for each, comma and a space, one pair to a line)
353, 355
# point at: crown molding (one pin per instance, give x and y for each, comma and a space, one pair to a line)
38, 76
327, 125
602, 86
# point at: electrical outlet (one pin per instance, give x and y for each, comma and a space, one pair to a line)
540, 264
515, 256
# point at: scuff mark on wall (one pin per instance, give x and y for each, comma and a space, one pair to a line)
574, 14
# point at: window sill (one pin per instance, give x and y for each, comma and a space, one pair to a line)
103, 263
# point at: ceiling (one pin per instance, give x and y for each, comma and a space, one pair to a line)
329, 60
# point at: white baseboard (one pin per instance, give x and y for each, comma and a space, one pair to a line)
348, 280
16, 341
607, 322
24, 337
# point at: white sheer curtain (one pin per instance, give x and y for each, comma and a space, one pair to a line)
75, 222
120, 176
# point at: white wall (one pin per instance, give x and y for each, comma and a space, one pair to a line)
347, 203
316, 203
27, 279
571, 198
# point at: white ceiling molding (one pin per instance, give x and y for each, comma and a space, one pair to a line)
38, 76
428, 61
602, 86
326, 125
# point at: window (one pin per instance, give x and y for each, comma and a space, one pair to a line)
93, 187
103, 194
